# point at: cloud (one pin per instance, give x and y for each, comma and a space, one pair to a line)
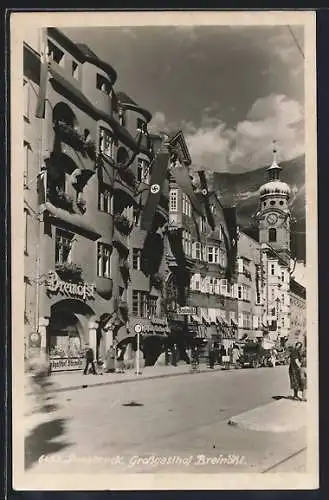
248, 146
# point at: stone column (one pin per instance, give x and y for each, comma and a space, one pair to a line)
43, 323
92, 336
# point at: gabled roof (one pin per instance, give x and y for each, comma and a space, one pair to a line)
178, 139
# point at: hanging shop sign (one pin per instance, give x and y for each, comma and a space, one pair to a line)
62, 364
189, 310
55, 284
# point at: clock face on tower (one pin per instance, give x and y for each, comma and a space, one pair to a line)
272, 218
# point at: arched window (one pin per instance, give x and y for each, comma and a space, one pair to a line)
63, 113
272, 234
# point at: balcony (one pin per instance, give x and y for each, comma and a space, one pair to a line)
72, 136
104, 287
122, 224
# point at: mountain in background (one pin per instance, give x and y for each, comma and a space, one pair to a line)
243, 191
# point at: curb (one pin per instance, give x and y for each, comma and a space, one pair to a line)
257, 419
135, 379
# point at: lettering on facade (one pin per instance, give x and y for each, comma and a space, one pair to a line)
84, 291
58, 364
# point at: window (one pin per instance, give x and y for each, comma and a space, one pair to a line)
173, 198
240, 265
282, 299
103, 260
187, 243
137, 253
63, 246
27, 152
197, 246
282, 322
55, 53
140, 303
272, 293
202, 225
216, 286
136, 215
223, 287
75, 70
213, 255
222, 258
143, 170
103, 84
105, 198
272, 269
272, 234
281, 202
107, 143
272, 202
197, 285
240, 294
141, 126
232, 316
26, 90
153, 305
26, 215
186, 209
282, 276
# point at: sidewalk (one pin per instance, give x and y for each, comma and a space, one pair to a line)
68, 381
283, 415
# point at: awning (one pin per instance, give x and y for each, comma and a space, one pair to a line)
205, 319
196, 319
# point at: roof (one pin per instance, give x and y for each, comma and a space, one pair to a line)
82, 52
125, 99
274, 187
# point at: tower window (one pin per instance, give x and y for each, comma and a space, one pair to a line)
272, 234
264, 203
281, 202
272, 202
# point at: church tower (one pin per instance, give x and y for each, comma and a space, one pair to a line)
274, 212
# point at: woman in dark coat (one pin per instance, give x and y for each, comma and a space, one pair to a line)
295, 369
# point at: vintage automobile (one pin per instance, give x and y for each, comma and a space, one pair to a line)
253, 355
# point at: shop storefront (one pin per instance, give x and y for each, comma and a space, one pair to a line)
70, 325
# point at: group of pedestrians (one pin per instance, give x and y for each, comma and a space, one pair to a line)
113, 363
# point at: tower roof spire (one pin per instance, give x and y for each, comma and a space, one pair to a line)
274, 169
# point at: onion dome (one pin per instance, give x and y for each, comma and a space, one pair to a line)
275, 186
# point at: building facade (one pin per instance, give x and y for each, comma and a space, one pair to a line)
297, 331
92, 273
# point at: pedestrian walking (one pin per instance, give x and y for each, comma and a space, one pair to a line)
303, 373
235, 355
110, 360
120, 360
295, 370
211, 357
89, 361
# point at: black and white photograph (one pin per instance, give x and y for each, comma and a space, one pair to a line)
164, 239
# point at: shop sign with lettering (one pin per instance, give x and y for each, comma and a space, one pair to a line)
186, 310
61, 364
83, 291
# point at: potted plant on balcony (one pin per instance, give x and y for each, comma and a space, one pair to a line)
69, 272
123, 224
64, 200
69, 134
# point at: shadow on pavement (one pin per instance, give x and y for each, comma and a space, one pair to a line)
39, 441
277, 398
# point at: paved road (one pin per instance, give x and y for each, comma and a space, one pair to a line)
181, 421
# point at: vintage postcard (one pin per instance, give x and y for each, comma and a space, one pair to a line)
164, 250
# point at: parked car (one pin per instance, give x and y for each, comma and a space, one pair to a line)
253, 355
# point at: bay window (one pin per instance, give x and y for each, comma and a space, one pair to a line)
173, 200
105, 198
107, 143
140, 303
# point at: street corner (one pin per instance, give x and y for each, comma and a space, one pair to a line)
283, 415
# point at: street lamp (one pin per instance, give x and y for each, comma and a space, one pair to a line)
138, 329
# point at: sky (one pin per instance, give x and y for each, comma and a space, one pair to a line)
231, 89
